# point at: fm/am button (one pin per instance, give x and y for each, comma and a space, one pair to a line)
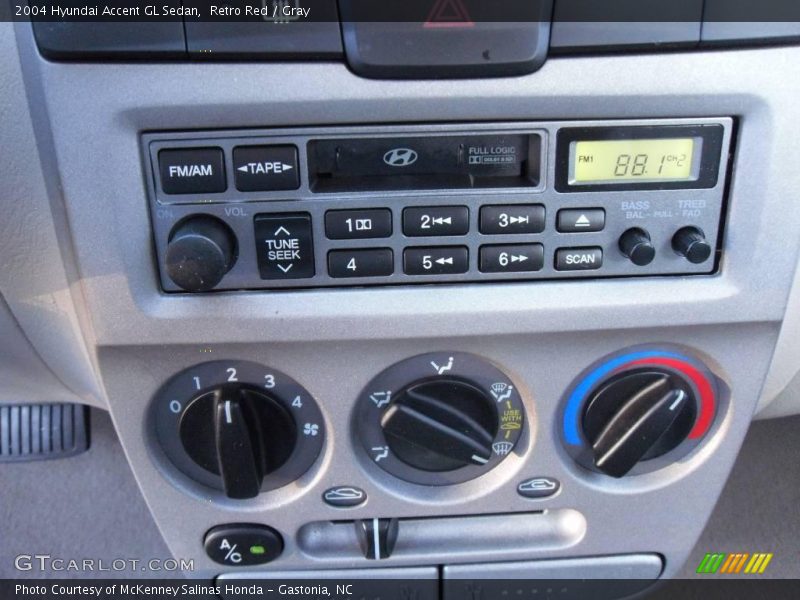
284, 246
192, 171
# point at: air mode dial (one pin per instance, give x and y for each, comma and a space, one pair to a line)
438, 419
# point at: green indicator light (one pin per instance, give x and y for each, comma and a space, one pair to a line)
257, 550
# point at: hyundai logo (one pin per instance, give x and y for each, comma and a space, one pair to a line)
400, 157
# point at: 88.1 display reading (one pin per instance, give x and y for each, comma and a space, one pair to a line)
622, 161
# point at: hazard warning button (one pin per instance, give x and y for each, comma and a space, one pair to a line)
445, 38
265, 168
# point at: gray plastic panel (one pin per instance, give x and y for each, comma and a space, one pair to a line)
633, 566
334, 341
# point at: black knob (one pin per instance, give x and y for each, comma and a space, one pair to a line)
635, 244
637, 415
200, 251
441, 425
691, 243
240, 433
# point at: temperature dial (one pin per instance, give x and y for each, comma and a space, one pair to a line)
438, 419
238, 427
639, 411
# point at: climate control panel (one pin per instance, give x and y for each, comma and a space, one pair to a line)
275, 209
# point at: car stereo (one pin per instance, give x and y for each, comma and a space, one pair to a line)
275, 209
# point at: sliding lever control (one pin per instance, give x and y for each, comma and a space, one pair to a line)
635, 416
240, 433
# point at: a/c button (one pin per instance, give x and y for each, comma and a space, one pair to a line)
579, 259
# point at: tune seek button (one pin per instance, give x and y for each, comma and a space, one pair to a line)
511, 258
378, 262
265, 168
192, 171
579, 259
447, 260
284, 246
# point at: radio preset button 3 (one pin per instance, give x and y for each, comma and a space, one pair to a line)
513, 218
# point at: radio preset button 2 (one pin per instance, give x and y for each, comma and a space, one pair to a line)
447, 260
428, 221
513, 218
358, 224
579, 259
284, 246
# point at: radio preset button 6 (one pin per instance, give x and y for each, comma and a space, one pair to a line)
265, 168
431, 221
358, 224
284, 246
513, 218
436, 261
377, 262
192, 171
579, 259
511, 258
580, 220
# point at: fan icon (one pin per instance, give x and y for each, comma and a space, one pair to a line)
311, 429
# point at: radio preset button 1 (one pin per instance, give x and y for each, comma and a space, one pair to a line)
284, 246
580, 220
579, 259
358, 224
446, 260
430, 221
511, 258
192, 171
512, 218
377, 262
265, 168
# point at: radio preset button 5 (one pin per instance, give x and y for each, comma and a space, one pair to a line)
579, 259
358, 224
377, 262
436, 261
265, 168
513, 218
580, 220
284, 246
430, 221
192, 171
511, 258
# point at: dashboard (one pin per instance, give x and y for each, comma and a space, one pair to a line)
352, 320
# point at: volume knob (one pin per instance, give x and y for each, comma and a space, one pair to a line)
200, 251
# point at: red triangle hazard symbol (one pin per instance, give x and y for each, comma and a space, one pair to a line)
449, 13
